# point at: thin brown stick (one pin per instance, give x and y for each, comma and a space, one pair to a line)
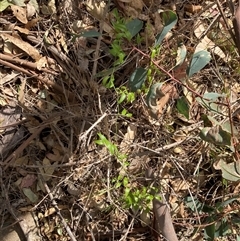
32, 74
23, 62
54, 203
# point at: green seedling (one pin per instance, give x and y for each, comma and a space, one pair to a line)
112, 148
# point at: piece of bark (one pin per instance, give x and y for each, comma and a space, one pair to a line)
162, 215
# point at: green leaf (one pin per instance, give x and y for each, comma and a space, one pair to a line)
199, 60
193, 203
183, 107
91, 34
221, 205
20, 3
216, 135
137, 79
224, 229
4, 4
134, 26
209, 231
122, 98
170, 19
230, 171
30, 195
125, 181
213, 96
209, 99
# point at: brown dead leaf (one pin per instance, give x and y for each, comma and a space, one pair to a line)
32, 23
169, 92
28, 181
180, 71
24, 46
20, 13
130, 11
96, 8
31, 11
42, 63
136, 4
21, 93
55, 156
128, 138
158, 25
205, 42
192, 8
22, 30
149, 33
159, 97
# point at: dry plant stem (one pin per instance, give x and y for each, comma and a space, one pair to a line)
23, 62
188, 188
235, 24
162, 215
66, 63
14, 124
54, 203
84, 136
49, 83
22, 224
96, 55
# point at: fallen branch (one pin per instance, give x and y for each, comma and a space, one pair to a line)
161, 212
49, 83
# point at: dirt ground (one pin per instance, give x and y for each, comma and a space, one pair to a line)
107, 132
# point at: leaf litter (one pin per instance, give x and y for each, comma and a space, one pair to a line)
61, 103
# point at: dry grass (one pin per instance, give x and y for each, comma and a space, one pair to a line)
59, 111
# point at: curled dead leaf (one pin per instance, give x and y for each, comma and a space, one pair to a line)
205, 42
24, 46
20, 13
158, 97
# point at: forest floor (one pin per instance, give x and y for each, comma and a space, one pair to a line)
119, 119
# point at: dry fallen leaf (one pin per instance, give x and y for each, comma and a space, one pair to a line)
161, 97
30, 11
128, 138
136, 4
32, 23
24, 46
22, 30
28, 181
20, 13
96, 8
205, 42
21, 92
192, 8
